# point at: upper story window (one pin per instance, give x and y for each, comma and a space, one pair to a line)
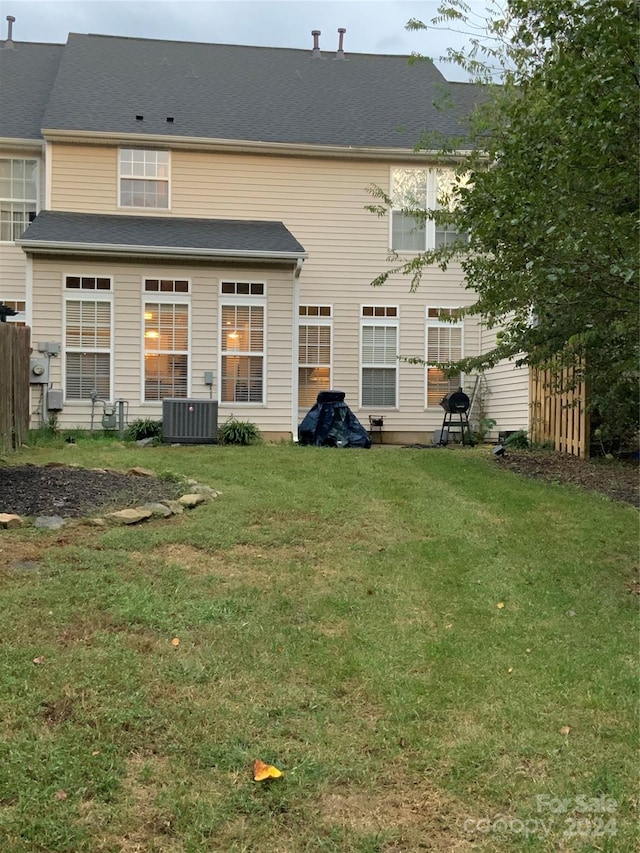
18, 196
144, 178
422, 189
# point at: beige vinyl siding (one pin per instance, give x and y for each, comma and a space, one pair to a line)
322, 202
128, 363
13, 272
507, 391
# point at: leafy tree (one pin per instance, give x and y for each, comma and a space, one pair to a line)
551, 197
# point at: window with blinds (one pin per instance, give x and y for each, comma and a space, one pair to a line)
314, 353
242, 353
379, 360
88, 335
443, 345
166, 350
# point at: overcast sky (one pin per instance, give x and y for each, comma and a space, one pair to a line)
372, 27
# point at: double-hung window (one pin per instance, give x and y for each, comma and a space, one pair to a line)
314, 352
443, 344
379, 355
18, 196
242, 341
166, 338
144, 178
422, 189
88, 334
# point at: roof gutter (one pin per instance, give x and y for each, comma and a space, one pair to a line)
242, 146
58, 248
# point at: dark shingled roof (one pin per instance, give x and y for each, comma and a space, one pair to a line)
274, 95
216, 237
27, 73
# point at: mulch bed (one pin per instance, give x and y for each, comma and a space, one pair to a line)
618, 480
32, 490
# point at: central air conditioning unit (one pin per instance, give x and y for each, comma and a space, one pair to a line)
189, 421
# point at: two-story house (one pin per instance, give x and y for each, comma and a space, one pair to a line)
189, 221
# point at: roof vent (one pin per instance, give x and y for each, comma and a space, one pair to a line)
9, 42
170, 119
340, 51
315, 53
139, 118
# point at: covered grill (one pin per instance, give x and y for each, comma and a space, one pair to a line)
456, 407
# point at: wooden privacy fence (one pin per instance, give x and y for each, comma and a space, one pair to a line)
15, 349
559, 416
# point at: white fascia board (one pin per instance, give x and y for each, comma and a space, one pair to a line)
241, 145
56, 247
13, 142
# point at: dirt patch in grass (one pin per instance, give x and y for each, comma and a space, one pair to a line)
32, 490
616, 479
149, 827
413, 816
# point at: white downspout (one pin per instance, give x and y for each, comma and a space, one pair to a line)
294, 350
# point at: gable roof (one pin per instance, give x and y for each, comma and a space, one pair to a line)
257, 94
55, 231
27, 73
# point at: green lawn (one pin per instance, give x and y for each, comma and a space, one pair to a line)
405, 633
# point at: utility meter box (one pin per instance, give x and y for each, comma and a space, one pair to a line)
38, 371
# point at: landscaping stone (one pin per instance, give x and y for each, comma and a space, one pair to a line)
158, 509
129, 516
189, 501
175, 507
9, 520
49, 522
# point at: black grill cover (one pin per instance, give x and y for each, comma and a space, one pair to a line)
331, 423
456, 401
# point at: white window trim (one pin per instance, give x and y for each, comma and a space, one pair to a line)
434, 322
36, 158
231, 299
379, 321
86, 296
150, 210
314, 321
169, 299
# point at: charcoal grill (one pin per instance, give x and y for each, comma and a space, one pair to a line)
456, 417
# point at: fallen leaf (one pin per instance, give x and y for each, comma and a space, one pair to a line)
175, 642
500, 605
96, 752
262, 771
565, 730
450, 625
510, 669
39, 660
60, 794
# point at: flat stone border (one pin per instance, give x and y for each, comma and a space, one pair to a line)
197, 495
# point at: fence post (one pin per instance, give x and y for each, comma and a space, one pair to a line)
15, 349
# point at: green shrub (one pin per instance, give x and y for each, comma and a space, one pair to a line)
143, 428
517, 440
234, 431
